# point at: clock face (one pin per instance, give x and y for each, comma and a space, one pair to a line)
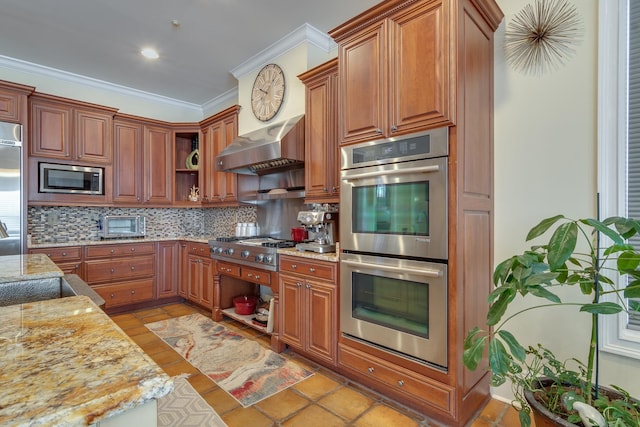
268, 92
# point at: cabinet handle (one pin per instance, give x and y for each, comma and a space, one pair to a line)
370, 369
113, 270
378, 130
112, 250
257, 277
400, 383
298, 284
112, 295
312, 270
294, 266
64, 254
394, 128
308, 286
133, 267
249, 275
133, 292
133, 249
49, 255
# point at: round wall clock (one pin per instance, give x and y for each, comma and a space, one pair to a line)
268, 92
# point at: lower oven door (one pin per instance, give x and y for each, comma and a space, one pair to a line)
397, 304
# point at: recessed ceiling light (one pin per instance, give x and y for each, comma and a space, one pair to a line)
149, 53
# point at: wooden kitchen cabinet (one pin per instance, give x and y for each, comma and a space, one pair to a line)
218, 131
123, 274
69, 130
167, 269
309, 307
322, 160
395, 73
67, 258
198, 274
143, 162
13, 102
186, 139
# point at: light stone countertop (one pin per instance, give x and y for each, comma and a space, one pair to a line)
331, 257
197, 239
65, 362
18, 268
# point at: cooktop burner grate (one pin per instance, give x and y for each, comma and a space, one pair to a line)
280, 244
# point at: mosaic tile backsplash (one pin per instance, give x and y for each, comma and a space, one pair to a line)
57, 224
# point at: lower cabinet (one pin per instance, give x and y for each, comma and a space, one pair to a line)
196, 278
167, 269
122, 274
308, 318
68, 258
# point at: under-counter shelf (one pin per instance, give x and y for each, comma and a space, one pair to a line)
246, 319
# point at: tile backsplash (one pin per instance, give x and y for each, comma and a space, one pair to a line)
55, 224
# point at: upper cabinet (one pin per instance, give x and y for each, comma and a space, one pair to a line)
395, 73
13, 102
187, 164
71, 131
143, 162
322, 168
220, 188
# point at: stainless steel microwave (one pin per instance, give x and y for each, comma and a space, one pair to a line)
71, 179
122, 226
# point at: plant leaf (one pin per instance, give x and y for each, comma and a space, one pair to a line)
517, 351
498, 357
541, 292
628, 261
543, 226
562, 244
602, 308
601, 227
502, 271
473, 348
632, 290
525, 418
497, 309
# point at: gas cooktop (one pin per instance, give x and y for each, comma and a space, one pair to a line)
260, 251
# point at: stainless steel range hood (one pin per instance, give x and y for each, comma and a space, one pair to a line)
276, 147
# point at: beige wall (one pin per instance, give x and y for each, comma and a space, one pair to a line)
546, 163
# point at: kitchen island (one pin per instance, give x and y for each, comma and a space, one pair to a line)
65, 362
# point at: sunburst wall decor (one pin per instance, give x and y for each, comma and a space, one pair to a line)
542, 36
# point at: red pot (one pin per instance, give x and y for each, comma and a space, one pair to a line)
245, 304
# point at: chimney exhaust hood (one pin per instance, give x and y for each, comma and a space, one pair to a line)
274, 148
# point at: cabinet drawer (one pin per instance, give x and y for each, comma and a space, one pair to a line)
71, 268
118, 294
315, 269
123, 249
256, 276
397, 378
97, 271
228, 269
64, 254
201, 249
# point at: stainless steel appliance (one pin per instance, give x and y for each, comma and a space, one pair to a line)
393, 235
70, 179
122, 226
393, 196
259, 251
322, 229
12, 190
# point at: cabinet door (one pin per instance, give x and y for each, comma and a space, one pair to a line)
206, 282
72, 268
419, 80
158, 165
321, 147
194, 272
224, 185
167, 269
321, 321
291, 327
93, 136
127, 163
50, 130
183, 285
362, 62
11, 105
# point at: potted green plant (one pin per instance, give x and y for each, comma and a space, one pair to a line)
573, 256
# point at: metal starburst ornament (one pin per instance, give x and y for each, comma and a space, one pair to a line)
543, 36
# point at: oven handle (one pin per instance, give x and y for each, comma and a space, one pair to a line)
420, 271
422, 169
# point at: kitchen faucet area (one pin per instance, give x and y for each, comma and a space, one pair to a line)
307, 247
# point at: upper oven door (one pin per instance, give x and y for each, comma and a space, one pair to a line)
396, 209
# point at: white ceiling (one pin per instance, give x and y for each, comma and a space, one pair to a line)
101, 39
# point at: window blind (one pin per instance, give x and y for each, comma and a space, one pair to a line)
633, 135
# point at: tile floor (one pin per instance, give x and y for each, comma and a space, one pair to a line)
326, 399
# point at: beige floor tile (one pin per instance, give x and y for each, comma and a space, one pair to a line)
143, 314
126, 321
315, 416
242, 417
384, 416
166, 357
157, 317
202, 383
177, 310
347, 403
493, 410
283, 404
316, 386
220, 401
179, 368
482, 422
136, 331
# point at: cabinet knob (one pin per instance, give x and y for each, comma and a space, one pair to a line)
298, 284
394, 128
133, 292
112, 250
308, 286
257, 277
370, 369
378, 130
64, 254
133, 267
133, 249
400, 383
113, 270
49, 255
112, 295
294, 266
249, 275
312, 270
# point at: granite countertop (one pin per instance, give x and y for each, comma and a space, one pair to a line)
17, 268
197, 239
65, 362
331, 257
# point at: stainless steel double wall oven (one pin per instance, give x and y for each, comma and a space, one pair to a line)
393, 233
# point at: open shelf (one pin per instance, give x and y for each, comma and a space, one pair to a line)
246, 319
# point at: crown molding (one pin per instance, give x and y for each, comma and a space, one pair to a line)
221, 101
29, 67
305, 33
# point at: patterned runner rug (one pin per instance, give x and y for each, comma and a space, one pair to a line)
240, 366
184, 407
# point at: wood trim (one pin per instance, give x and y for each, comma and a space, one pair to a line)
73, 103
235, 109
